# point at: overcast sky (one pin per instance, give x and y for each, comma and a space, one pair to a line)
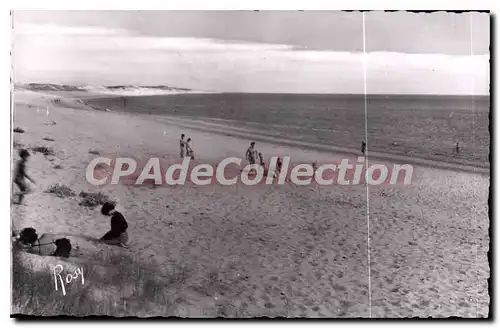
274, 51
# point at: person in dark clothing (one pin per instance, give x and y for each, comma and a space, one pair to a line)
363, 147
118, 234
20, 175
251, 154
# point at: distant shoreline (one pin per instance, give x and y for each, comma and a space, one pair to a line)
111, 90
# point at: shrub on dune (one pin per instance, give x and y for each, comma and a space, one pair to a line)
61, 191
46, 151
94, 199
115, 285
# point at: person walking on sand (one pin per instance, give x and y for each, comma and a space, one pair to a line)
251, 154
363, 147
457, 149
183, 146
118, 234
189, 150
20, 175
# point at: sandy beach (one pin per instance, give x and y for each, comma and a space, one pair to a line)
286, 251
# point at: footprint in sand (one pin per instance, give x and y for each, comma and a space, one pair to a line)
338, 287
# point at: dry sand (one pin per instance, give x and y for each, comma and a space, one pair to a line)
254, 251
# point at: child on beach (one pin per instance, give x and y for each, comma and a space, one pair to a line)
189, 150
183, 146
261, 160
263, 164
20, 175
118, 234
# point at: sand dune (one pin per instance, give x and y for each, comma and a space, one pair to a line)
116, 90
247, 251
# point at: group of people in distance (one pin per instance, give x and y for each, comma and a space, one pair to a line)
28, 239
186, 150
252, 154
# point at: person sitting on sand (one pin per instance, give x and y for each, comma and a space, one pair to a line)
189, 150
20, 175
183, 146
118, 234
45, 245
251, 153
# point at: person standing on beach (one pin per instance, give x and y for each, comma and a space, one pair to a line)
189, 150
261, 160
251, 154
363, 147
315, 168
279, 165
457, 149
118, 234
263, 164
183, 146
20, 175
